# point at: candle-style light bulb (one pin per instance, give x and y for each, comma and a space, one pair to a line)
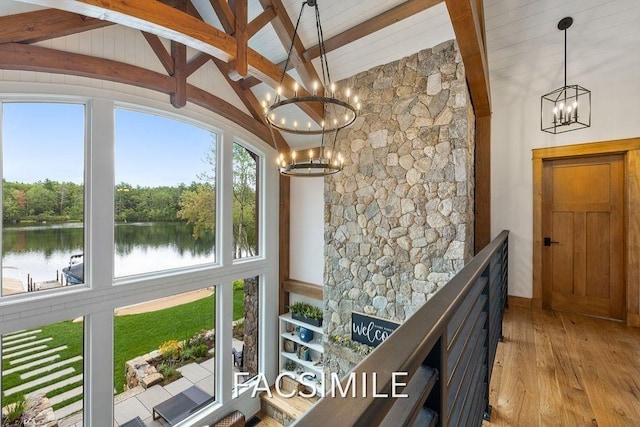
295, 89
293, 157
322, 124
268, 97
335, 122
315, 88
358, 106
295, 125
333, 89
328, 154
355, 99
279, 90
273, 117
310, 155
283, 121
346, 117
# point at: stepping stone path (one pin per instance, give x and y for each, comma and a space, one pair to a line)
31, 357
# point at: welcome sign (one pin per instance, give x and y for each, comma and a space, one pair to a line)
370, 330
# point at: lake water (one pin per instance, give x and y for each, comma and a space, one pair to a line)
40, 251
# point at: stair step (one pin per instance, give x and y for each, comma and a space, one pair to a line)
266, 421
285, 410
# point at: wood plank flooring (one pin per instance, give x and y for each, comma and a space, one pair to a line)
562, 369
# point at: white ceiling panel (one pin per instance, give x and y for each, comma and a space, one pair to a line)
526, 50
411, 35
10, 7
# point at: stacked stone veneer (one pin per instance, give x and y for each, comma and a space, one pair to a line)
399, 218
251, 326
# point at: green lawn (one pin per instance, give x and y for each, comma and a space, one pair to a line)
63, 333
135, 335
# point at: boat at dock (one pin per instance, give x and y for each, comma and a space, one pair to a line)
74, 272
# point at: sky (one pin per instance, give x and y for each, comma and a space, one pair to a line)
45, 141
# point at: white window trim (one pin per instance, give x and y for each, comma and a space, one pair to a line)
97, 301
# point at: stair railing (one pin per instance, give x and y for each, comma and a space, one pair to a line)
444, 353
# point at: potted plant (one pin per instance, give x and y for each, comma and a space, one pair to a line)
306, 313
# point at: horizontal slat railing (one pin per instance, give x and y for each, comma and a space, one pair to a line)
446, 349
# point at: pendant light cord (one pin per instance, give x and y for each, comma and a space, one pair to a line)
565, 57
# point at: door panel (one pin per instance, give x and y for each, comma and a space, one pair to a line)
562, 263
597, 259
582, 213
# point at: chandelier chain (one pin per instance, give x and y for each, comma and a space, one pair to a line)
324, 61
293, 40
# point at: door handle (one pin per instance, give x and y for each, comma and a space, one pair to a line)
549, 242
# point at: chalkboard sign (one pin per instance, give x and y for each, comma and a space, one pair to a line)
370, 330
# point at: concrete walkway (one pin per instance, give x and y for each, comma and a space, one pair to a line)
139, 402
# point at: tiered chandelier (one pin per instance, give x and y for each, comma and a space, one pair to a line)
339, 110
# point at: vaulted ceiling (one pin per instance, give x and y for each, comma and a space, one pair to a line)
246, 39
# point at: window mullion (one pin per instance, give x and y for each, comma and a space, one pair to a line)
99, 246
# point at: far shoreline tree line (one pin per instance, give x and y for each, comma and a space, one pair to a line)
62, 202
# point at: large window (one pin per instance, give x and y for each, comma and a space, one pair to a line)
137, 196
42, 196
43, 366
165, 196
245, 202
152, 365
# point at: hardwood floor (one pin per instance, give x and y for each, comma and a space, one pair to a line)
562, 369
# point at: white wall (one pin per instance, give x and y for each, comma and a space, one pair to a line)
526, 60
516, 131
307, 230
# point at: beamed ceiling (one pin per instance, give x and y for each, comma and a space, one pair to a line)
247, 40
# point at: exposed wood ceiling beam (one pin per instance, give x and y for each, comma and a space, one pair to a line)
156, 18
39, 25
251, 102
260, 21
14, 56
225, 15
46, 24
465, 19
196, 62
161, 52
165, 21
241, 9
284, 29
250, 81
370, 26
179, 54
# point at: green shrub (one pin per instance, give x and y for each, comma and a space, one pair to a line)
14, 411
169, 371
200, 351
238, 329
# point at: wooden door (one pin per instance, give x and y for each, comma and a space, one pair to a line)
583, 235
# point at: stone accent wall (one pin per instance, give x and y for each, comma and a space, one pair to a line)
251, 326
399, 218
